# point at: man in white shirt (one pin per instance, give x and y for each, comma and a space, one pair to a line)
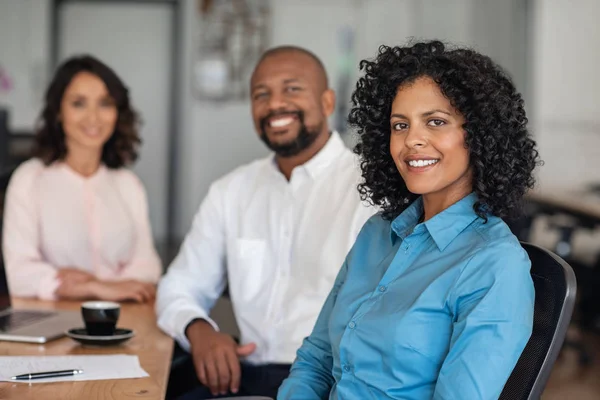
276, 230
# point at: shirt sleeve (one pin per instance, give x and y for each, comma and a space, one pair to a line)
28, 274
197, 276
362, 214
311, 374
364, 210
492, 302
145, 264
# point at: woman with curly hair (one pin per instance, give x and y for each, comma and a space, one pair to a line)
435, 299
76, 220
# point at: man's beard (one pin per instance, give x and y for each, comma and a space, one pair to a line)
301, 142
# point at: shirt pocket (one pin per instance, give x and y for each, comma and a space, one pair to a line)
248, 269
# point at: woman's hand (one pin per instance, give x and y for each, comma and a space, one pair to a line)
73, 287
140, 292
80, 285
74, 275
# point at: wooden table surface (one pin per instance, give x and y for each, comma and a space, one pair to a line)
150, 344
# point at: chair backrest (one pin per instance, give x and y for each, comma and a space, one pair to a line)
555, 289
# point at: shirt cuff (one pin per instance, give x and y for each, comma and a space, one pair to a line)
48, 286
183, 319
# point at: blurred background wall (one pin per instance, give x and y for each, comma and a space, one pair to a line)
564, 58
548, 46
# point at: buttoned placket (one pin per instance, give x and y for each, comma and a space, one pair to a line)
400, 262
286, 235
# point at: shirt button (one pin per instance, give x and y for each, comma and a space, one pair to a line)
382, 289
352, 325
346, 368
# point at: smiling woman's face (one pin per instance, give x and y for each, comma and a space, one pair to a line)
427, 141
88, 113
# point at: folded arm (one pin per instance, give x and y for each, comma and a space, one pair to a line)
28, 274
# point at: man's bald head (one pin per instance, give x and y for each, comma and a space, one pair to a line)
304, 56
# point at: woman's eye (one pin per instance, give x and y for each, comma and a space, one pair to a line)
436, 122
399, 126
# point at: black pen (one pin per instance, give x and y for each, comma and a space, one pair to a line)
49, 374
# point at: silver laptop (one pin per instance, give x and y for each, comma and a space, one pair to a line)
34, 326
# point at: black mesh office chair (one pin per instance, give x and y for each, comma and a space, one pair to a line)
555, 289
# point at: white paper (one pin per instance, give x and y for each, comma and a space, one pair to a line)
96, 367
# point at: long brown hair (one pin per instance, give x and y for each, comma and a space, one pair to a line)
121, 149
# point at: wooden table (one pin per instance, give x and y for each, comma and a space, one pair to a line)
150, 344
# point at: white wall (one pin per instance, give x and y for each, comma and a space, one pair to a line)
499, 30
24, 53
566, 89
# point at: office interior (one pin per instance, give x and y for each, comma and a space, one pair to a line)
187, 64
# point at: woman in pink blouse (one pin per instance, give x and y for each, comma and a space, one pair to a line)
76, 221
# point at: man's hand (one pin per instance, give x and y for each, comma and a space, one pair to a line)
216, 357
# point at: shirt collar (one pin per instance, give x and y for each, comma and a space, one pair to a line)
444, 227
320, 161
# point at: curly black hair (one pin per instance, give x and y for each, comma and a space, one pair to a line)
502, 153
121, 149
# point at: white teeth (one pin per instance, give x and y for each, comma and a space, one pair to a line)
421, 163
278, 123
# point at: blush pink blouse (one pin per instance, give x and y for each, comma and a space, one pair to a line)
55, 218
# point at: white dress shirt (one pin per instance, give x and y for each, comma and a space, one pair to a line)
278, 243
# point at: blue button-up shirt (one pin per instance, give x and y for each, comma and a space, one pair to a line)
433, 310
